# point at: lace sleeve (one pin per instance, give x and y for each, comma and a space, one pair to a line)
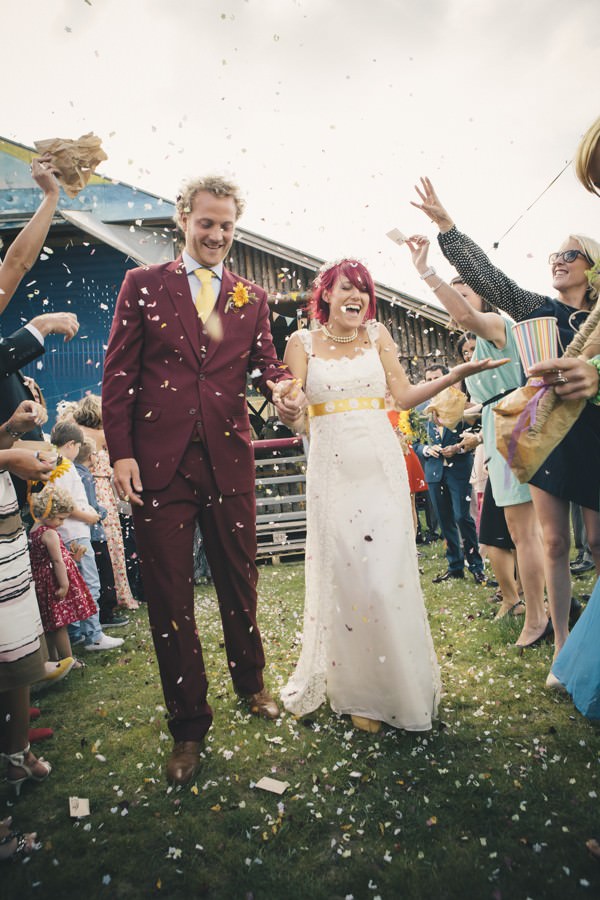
373, 331
482, 276
305, 338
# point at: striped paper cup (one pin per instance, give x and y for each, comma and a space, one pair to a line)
537, 340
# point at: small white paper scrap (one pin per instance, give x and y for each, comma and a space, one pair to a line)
79, 806
271, 784
396, 236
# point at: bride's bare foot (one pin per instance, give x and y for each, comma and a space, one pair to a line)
364, 724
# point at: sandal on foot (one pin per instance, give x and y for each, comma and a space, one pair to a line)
517, 609
17, 760
21, 843
371, 725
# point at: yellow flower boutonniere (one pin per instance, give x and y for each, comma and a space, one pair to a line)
239, 297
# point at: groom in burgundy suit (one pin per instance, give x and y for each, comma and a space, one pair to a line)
184, 337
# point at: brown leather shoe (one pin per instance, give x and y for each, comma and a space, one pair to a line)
183, 762
262, 704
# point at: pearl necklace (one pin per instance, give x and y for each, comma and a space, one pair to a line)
340, 339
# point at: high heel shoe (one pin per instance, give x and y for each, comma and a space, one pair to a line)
545, 635
18, 761
575, 611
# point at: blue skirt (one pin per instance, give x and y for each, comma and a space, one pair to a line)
577, 666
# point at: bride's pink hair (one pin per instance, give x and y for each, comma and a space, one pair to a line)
356, 273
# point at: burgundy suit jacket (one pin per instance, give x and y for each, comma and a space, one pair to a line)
161, 375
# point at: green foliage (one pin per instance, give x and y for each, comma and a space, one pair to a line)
496, 802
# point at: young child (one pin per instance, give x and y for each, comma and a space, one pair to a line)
62, 594
109, 617
75, 531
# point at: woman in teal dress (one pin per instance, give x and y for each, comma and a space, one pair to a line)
495, 339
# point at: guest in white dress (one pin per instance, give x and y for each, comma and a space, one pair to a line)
366, 643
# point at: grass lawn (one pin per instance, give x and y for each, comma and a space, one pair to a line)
496, 802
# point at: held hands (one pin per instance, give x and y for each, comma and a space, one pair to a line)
431, 206
27, 414
571, 377
126, 477
432, 450
290, 401
451, 450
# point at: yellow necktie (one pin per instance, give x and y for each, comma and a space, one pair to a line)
205, 298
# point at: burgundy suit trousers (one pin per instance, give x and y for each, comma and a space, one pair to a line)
164, 529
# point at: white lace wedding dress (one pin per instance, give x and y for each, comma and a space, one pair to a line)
366, 643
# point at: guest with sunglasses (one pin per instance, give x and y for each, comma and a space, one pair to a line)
571, 472
576, 669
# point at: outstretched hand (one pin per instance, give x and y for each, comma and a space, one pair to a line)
478, 365
431, 206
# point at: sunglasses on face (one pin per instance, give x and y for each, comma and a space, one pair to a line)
568, 256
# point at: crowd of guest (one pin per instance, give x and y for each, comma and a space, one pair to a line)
58, 585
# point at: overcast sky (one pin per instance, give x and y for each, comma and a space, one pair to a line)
327, 111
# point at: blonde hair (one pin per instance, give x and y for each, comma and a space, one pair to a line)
587, 159
88, 412
51, 501
591, 248
85, 451
214, 184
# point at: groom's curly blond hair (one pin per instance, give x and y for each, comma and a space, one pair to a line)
214, 184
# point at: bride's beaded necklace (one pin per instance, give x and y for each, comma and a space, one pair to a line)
340, 339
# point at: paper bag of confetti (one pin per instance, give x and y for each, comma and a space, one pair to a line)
448, 407
76, 161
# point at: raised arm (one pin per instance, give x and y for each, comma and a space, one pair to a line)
489, 326
25, 248
471, 262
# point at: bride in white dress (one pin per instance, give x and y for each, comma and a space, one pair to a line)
366, 643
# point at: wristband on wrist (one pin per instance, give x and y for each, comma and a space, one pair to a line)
13, 434
595, 362
428, 272
436, 287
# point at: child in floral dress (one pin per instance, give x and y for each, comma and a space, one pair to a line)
63, 596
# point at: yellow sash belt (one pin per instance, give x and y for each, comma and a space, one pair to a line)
345, 405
